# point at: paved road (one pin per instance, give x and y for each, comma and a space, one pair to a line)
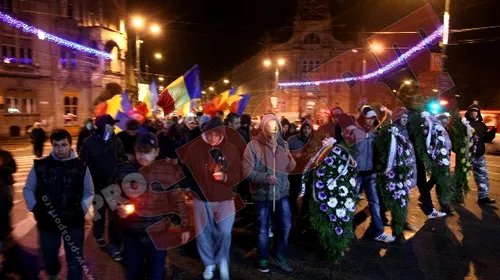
464, 246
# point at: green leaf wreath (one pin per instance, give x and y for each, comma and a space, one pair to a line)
396, 165
433, 154
461, 133
333, 197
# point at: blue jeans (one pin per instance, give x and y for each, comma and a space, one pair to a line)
282, 223
214, 239
138, 249
50, 242
368, 182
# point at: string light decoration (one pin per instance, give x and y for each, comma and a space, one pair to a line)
389, 67
42, 35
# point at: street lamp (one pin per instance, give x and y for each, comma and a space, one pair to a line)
373, 48
226, 81
138, 23
408, 82
279, 62
161, 79
158, 56
211, 88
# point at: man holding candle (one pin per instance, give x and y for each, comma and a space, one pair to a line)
215, 164
267, 162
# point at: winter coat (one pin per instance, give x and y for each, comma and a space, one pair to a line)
59, 188
7, 169
332, 129
156, 200
481, 134
362, 139
299, 144
203, 161
169, 145
102, 158
258, 164
38, 136
84, 134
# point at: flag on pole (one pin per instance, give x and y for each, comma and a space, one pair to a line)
239, 105
181, 91
117, 107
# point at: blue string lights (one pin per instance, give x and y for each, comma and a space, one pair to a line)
42, 35
389, 67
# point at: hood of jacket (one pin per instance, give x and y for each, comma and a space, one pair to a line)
263, 138
474, 107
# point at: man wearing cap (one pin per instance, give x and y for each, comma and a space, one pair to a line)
480, 137
103, 151
128, 138
361, 135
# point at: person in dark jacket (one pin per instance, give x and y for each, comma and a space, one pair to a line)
38, 138
270, 188
332, 127
212, 160
59, 192
480, 137
190, 130
246, 127
87, 130
7, 169
142, 217
169, 140
103, 151
361, 135
128, 138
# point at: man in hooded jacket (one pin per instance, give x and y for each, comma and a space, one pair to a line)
103, 151
269, 151
480, 137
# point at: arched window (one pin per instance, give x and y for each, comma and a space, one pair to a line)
312, 39
115, 64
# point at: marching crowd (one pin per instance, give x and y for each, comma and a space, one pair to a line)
137, 178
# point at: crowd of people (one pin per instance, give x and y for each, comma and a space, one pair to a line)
142, 175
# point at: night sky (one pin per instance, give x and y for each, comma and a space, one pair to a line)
220, 34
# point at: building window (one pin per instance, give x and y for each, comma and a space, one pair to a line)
312, 39
311, 66
318, 64
73, 60
63, 59
304, 66
8, 103
6, 5
9, 54
70, 11
70, 111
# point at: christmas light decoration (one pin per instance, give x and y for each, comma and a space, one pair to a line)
389, 67
42, 35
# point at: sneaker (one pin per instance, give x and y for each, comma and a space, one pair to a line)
101, 243
283, 264
224, 270
117, 256
486, 201
385, 238
263, 266
410, 227
271, 234
209, 272
436, 214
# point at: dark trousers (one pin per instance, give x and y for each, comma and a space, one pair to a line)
138, 249
38, 149
114, 236
424, 188
50, 242
282, 223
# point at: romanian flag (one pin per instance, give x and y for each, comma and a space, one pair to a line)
181, 91
222, 100
239, 105
117, 107
150, 99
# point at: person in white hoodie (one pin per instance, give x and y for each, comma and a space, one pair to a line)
59, 192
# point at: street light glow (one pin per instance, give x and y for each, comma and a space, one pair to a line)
138, 22
354, 50
158, 56
161, 79
281, 62
211, 88
408, 82
155, 28
267, 63
226, 81
376, 47
435, 90
203, 92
